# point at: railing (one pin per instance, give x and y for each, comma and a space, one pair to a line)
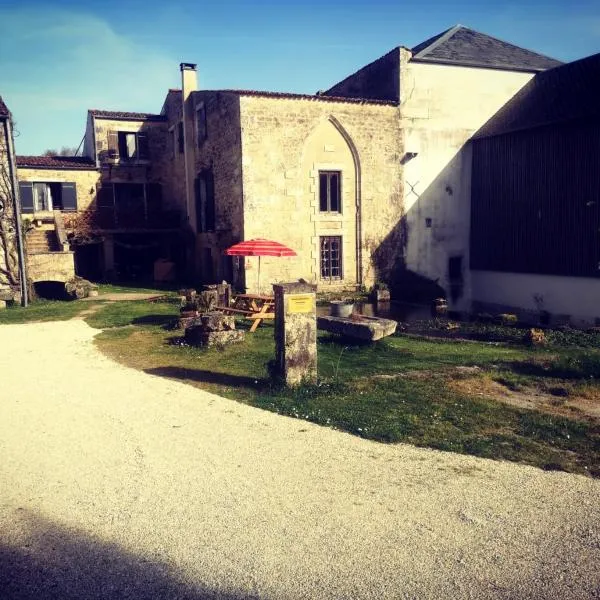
115, 218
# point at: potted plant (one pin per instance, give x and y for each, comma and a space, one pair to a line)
380, 292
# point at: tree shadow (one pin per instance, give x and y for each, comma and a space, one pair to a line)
51, 562
162, 320
202, 376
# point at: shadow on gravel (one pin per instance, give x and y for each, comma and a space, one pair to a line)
53, 562
207, 377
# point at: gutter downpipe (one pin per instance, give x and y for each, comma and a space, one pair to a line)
17, 210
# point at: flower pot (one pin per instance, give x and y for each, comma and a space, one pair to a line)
341, 309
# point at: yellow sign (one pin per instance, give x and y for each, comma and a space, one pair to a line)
301, 303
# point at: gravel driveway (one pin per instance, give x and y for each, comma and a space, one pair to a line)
118, 484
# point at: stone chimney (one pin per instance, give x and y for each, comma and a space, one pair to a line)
189, 79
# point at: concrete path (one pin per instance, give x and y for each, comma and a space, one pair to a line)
118, 484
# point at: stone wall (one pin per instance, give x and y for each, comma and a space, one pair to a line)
85, 181
51, 266
157, 169
174, 160
285, 142
220, 151
441, 107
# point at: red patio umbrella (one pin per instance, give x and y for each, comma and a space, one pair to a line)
259, 247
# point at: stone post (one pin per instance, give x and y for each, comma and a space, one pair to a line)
296, 332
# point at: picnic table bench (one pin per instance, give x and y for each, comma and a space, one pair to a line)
255, 307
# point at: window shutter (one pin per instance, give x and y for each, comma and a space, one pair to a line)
26, 194
199, 202
113, 144
143, 149
210, 201
69, 197
105, 204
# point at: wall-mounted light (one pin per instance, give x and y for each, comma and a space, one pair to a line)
408, 156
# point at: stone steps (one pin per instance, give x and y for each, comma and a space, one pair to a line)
42, 241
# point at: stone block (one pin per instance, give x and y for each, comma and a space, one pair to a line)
197, 336
361, 328
217, 321
2, 304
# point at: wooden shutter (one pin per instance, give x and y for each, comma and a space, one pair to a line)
69, 197
113, 144
199, 203
105, 205
142, 146
210, 201
26, 194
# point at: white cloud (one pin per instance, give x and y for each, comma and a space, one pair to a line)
56, 64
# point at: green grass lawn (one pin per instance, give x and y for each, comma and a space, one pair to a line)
397, 390
401, 389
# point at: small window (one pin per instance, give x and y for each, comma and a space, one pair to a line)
171, 142
330, 191
331, 257
180, 137
128, 145
205, 201
201, 131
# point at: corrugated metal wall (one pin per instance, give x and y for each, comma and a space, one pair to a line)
535, 204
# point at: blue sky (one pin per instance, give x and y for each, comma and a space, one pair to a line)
57, 59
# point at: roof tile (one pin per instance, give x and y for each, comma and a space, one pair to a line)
313, 97
55, 162
125, 116
463, 46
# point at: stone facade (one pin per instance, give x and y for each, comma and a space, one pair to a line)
85, 182
219, 153
285, 144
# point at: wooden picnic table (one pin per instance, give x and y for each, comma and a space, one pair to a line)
252, 306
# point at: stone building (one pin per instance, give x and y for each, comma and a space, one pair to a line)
368, 180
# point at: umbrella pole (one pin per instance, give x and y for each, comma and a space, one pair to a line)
259, 275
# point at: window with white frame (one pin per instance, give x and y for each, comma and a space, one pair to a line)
331, 257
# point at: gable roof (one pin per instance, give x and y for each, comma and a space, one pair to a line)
125, 116
4, 112
55, 162
462, 46
563, 94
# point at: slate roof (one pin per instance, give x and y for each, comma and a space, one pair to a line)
314, 97
462, 46
125, 116
566, 93
56, 162
4, 112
